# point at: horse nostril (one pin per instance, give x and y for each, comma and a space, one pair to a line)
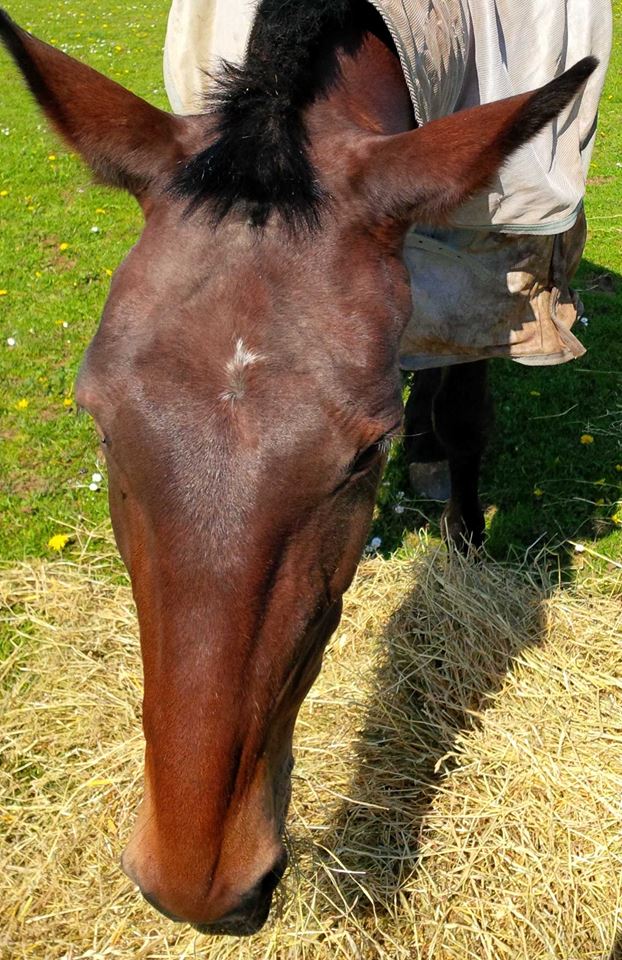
253, 910
270, 880
244, 921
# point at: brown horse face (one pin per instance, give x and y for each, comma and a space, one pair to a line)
245, 386
244, 426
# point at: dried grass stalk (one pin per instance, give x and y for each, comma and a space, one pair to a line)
458, 784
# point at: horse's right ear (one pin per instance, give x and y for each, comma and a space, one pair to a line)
427, 173
127, 142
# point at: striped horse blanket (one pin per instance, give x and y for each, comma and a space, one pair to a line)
496, 282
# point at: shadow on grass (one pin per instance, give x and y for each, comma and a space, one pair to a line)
443, 655
444, 652
616, 952
541, 485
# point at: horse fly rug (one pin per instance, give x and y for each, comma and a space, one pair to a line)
496, 282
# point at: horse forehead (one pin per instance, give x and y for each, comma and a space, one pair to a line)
221, 374
225, 320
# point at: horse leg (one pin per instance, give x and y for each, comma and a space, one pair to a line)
425, 454
461, 413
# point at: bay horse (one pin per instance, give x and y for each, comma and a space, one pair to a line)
245, 386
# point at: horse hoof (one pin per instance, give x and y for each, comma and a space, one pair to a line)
465, 535
430, 481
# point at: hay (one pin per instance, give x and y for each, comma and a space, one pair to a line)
458, 784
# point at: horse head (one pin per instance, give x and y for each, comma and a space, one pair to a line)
245, 387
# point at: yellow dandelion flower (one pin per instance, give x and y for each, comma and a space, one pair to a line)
617, 518
38, 273
63, 246
586, 438
4, 193
22, 404
58, 542
619, 467
68, 402
100, 210
3, 293
534, 393
108, 272
52, 156
537, 492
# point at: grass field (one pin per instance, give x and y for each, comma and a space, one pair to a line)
62, 237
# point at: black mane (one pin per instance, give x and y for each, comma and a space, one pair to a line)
259, 162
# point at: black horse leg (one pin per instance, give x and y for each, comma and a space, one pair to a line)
421, 444
461, 414
425, 454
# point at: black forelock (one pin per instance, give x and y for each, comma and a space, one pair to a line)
259, 162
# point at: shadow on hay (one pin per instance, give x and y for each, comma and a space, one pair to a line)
540, 484
443, 653
616, 950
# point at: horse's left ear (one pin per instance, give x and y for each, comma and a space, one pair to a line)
427, 173
126, 141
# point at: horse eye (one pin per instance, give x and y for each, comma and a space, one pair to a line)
102, 436
366, 458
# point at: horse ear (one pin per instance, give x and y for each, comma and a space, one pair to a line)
427, 173
127, 142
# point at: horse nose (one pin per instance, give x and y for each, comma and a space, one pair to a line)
245, 919
252, 912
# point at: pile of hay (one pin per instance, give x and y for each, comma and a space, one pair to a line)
457, 794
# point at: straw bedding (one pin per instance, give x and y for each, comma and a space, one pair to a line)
457, 792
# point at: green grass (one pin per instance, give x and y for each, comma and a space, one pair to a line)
540, 482
47, 451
